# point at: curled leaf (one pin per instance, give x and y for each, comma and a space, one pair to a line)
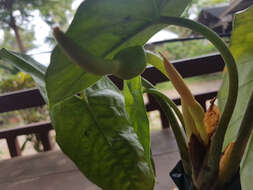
126, 64
178, 82
195, 110
82, 57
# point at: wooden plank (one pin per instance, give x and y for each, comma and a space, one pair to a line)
199, 97
45, 139
163, 142
20, 100
74, 180
13, 146
186, 67
54, 171
33, 128
71, 180
41, 164
164, 164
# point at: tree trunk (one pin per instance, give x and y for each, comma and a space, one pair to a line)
19, 41
8, 5
17, 36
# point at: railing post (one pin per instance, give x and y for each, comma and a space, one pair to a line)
13, 146
164, 120
44, 136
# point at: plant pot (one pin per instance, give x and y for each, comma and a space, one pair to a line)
184, 182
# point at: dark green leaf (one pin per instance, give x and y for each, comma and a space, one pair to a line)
242, 50
29, 65
94, 131
67, 81
104, 28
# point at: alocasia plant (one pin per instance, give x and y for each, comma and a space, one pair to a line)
106, 131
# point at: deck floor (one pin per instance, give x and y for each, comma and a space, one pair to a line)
54, 171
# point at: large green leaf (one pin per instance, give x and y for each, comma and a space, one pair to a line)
94, 131
104, 28
242, 50
136, 110
29, 65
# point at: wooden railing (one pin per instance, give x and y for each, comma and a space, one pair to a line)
32, 98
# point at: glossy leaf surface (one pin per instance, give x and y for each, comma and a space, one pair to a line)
29, 65
95, 132
104, 28
242, 50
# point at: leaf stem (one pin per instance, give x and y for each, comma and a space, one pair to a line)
171, 104
152, 89
180, 139
216, 146
166, 105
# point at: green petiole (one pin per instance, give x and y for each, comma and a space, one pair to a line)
166, 105
151, 89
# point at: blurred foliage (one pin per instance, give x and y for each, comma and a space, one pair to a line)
16, 82
20, 13
187, 49
16, 18
37, 144
9, 41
